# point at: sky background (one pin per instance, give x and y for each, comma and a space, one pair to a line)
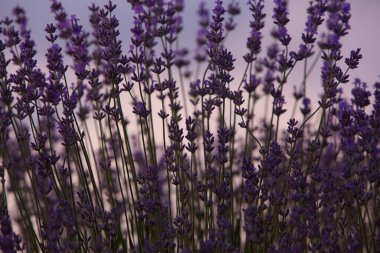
364, 34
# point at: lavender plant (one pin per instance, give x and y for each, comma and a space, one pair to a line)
159, 149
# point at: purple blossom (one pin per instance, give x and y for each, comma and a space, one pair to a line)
100, 150
141, 110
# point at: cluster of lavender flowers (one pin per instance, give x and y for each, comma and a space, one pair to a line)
157, 149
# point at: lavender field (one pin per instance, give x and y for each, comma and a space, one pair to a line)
134, 131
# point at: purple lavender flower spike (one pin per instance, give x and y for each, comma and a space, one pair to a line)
99, 152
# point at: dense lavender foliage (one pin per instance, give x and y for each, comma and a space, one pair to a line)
160, 149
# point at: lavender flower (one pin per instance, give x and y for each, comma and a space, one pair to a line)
101, 153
